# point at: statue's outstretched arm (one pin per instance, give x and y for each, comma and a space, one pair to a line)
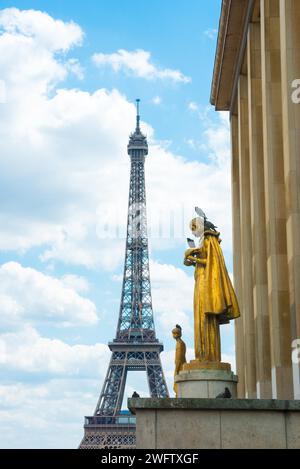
190, 260
190, 256
193, 252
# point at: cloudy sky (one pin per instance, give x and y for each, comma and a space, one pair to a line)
69, 75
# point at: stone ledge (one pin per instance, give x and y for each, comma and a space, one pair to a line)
206, 375
233, 27
213, 404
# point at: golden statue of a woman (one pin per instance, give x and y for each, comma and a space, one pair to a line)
180, 359
215, 301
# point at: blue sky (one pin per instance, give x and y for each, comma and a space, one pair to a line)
69, 75
172, 30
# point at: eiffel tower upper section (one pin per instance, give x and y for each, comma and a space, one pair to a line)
135, 324
135, 346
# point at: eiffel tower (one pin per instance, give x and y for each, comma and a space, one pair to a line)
135, 346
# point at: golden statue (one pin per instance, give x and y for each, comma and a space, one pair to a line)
215, 301
179, 353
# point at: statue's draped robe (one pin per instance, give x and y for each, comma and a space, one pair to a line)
215, 301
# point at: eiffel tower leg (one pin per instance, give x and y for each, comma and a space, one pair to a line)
135, 346
156, 380
104, 429
111, 397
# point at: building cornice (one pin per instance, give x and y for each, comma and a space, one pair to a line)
233, 27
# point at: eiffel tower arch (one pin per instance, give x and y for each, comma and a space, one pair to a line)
135, 346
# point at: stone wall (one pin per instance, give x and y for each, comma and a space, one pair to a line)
256, 71
216, 423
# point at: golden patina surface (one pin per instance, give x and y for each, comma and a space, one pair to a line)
201, 365
215, 301
180, 359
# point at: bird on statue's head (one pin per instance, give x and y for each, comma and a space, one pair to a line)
208, 225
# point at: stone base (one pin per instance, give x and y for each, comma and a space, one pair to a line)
203, 380
216, 423
202, 365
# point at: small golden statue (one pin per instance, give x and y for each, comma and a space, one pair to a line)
215, 301
179, 353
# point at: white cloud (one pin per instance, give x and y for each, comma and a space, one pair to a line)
191, 183
26, 351
217, 140
53, 157
76, 282
2, 92
211, 33
191, 143
51, 34
74, 66
26, 293
10, 309
193, 106
64, 164
47, 415
156, 100
204, 113
138, 64
172, 292
31, 59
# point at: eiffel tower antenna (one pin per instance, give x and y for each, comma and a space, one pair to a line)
135, 346
137, 113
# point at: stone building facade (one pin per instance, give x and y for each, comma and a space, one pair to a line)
257, 66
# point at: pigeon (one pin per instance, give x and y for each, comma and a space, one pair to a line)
208, 225
224, 395
135, 394
200, 212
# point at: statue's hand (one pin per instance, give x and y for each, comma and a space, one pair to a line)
189, 261
192, 252
201, 261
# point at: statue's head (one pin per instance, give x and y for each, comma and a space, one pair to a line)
197, 227
201, 223
177, 332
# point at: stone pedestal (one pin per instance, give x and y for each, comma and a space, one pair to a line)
216, 423
205, 380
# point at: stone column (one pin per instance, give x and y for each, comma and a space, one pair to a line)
246, 240
258, 227
290, 67
278, 280
237, 269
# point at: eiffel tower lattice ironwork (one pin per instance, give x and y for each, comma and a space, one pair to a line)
135, 346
